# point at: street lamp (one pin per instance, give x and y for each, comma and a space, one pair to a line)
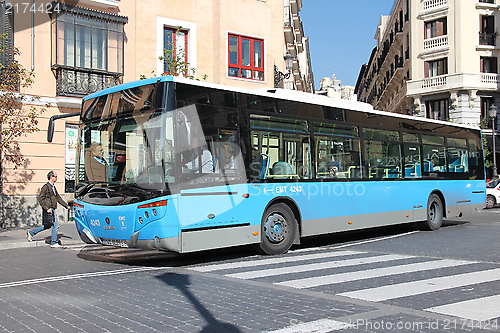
280, 76
493, 115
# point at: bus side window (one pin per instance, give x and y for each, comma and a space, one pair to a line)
457, 160
338, 157
434, 159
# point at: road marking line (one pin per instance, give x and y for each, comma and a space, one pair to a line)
371, 273
78, 276
374, 240
316, 267
318, 326
480, 309
423, 286
251, 263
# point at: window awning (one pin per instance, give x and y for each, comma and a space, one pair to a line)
90, 13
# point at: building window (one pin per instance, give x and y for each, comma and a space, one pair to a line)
175, 47
88, 39
436, 28
6, 30
246, 57
437, 67
87, 50
489, 65
437, 109
487, 33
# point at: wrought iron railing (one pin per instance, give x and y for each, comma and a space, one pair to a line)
487, 38
78, 82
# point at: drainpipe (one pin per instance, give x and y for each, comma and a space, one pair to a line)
32, 36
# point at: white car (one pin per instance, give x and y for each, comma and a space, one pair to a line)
492, 193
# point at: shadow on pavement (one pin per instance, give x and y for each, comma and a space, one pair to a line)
181, 282
138, 257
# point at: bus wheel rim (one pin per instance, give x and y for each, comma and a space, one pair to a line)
433, 212
276, 228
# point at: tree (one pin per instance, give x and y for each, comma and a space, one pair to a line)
17, 119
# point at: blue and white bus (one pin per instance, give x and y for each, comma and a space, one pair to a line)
180, 165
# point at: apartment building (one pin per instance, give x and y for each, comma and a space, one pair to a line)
79, 47
333, 88
300, 75
436, 59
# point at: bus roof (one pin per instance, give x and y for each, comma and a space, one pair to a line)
285, 94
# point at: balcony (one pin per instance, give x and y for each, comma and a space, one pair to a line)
444, 83
487, 38
434, 47
80, 82
430, 4
433, 9
436, 42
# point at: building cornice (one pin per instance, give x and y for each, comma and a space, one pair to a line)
59, 101
101, 3
435, 53
487, 8
434, 13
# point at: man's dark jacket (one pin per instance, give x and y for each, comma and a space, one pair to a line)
47, 199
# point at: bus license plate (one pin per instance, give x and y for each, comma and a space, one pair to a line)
114, 242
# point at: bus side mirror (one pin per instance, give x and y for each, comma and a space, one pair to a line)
50, 128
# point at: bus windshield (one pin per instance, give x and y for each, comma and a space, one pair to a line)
126, 159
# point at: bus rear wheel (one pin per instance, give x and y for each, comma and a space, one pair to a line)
434, 213
279, 229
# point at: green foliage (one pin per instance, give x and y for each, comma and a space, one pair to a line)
17, 119
175, 61
488, 154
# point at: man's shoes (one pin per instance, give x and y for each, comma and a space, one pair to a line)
29, 236
56, 246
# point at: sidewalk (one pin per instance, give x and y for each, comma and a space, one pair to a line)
16, 238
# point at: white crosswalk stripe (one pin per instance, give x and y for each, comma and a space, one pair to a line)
479, 309
315, 267
273, 261
424, 286
371, 273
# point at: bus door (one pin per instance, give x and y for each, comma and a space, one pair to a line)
212, 209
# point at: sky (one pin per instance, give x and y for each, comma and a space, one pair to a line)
341, 35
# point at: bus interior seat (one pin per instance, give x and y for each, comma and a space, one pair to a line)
283, 170
355, 172
265, 166
410, 171
428, 166
392, 172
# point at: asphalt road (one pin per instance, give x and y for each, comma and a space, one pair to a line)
389, 279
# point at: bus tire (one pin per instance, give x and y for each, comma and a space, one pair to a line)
278, 229
434, 213
490, 201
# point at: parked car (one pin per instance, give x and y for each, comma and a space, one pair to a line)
492, 193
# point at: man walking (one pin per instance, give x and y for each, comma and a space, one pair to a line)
48, 199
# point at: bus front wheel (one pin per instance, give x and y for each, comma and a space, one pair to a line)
279, 228
434, 213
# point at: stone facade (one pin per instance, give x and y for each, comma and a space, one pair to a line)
436, 59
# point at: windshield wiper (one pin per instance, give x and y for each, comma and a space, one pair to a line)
82, 190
